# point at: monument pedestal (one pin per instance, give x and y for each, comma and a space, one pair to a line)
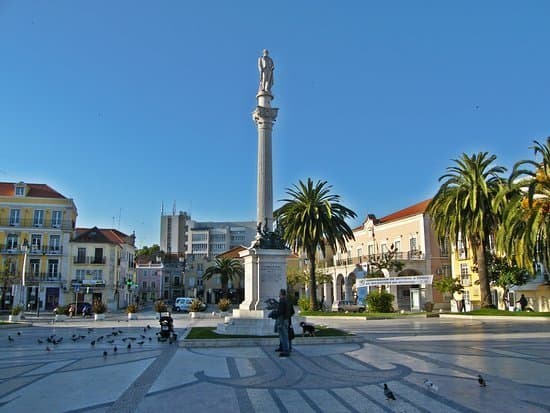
265, 275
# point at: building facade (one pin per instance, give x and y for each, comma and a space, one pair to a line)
410, 233
36, 224
103, 267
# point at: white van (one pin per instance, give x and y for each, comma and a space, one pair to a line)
183, 304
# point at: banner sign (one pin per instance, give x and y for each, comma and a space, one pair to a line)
413, 279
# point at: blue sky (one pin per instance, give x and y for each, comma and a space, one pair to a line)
123, 105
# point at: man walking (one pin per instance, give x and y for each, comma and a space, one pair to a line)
282, 323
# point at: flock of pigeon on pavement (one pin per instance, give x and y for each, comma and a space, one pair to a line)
111, 338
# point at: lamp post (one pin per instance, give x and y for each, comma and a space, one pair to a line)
24, 248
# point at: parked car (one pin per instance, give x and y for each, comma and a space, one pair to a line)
347, 305
79, 307
184, 304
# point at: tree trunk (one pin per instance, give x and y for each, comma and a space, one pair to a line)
484, 287
312, 283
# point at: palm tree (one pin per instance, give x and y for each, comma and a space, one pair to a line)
227, 268
311, 219
462, 209
525, 234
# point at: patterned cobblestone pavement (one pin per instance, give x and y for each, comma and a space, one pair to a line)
76, 376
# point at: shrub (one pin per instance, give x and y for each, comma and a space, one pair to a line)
98, 307
304, 304
132, 308
224, 304
195, 305
61, 310
380, 302
160, 306
428, 306
16, 310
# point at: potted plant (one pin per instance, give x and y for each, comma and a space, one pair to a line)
60, 313
195, 307
224, 304
99, 309
160, 307
132, 309
15, 313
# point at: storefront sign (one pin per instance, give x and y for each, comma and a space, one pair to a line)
413, 279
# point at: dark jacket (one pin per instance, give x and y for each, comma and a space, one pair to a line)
284, 309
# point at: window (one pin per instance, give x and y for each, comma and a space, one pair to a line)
444, 248
98, 256
166, 280
176, 281
81, 256
53, 268
397, 244
55, 243
144, 285
36, 242
56, 219
11, 242
153, 285
370, 250
384, 248
359, 252
20, 190
38, 219
462, 251
15, 217
35, 267
412, 244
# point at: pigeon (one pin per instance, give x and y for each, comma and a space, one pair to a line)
19, 333
481, 381
48, 349
120, 331
140, 342
144, 329
430, 385
39, 341
92, 343
110, 341
129, 346
124, 339
104, 354
142, 336
115, 349
10, 338
150, 338
388, 393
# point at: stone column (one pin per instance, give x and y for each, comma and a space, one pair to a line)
264, 116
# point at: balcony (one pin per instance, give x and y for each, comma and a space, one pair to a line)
414, 255
466, 281
33, 250
89, 260
31, 223
35, 278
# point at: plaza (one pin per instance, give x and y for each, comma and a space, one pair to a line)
74, 376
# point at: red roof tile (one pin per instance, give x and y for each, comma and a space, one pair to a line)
109, 235
33, 190
415, 209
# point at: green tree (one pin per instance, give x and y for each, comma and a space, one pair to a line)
449, 285
8, 277
312, 218
386, 260
525, 233
149, 252
505, 275
228, 269
462, 209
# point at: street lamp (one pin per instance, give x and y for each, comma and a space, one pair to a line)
24, 248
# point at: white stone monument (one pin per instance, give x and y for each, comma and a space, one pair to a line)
265, 260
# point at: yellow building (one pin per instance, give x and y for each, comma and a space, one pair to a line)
102, 267
36, 224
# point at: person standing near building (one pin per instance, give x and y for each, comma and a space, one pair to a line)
523, 302
283, 322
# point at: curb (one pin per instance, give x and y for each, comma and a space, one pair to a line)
267, 341
495, 318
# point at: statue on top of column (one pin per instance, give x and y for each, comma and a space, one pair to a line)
265, 66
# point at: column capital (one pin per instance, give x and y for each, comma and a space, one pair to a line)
262, 114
